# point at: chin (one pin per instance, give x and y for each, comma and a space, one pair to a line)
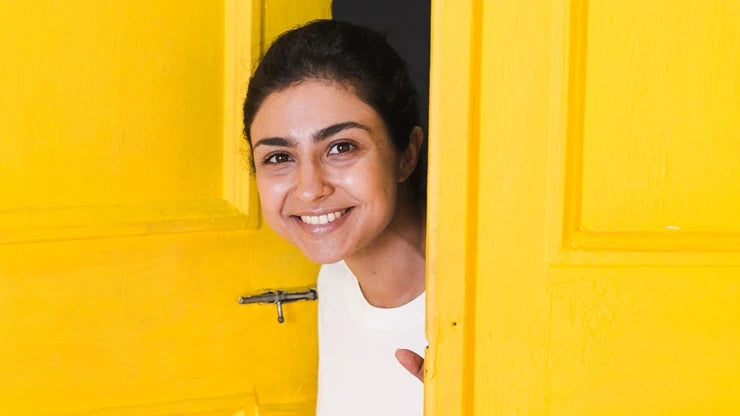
322, 256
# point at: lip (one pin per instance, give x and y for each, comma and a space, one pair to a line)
317, 213
321, 229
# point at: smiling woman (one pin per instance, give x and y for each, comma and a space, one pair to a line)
332, 119
334, 157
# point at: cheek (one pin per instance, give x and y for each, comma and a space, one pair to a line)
372, 183
272, 192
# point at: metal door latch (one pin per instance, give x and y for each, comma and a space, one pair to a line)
278, 297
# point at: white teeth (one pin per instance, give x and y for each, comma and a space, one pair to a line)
322, 219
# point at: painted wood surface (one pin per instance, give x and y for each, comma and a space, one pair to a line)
584, 242
128, 223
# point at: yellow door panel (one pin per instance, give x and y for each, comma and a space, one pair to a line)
139, 86
660, 107
128, 221
586, 259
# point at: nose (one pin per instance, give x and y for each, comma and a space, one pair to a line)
312, 182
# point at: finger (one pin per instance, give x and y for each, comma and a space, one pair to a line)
412, 362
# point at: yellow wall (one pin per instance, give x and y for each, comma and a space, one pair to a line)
128, 224
584, 247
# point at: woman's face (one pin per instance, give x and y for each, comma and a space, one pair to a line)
327, 172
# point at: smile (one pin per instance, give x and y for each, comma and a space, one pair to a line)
323, 219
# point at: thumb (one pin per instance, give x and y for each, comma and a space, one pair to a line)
412, 362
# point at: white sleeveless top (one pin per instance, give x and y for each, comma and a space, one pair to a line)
358, 371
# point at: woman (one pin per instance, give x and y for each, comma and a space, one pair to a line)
332, 120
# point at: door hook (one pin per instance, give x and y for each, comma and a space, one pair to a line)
278, 297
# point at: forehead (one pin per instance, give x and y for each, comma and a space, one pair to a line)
308, 106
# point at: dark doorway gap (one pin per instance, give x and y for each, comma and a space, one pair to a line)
406, 24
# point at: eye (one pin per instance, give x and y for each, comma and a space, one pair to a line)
342, 147
277, 158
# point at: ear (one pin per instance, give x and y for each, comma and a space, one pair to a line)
410, 157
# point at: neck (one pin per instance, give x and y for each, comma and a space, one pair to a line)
391, 269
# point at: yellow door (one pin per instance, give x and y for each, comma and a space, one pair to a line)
128, 224
584, 248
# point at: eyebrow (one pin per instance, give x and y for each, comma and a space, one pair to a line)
320, 135
274, 141
336, 128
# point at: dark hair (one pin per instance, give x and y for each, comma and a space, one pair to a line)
350, 55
